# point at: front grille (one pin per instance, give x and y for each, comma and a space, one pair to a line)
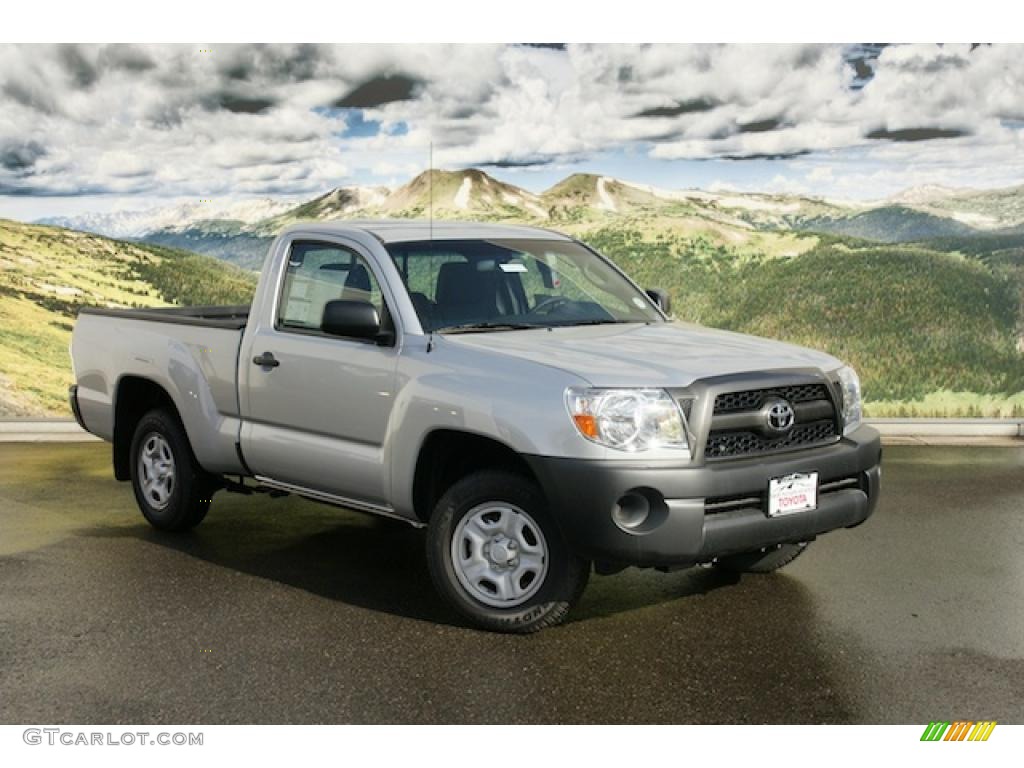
752, 399
737, 427
723, 444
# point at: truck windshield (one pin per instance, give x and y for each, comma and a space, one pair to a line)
507, 284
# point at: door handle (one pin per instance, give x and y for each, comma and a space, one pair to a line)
266, 360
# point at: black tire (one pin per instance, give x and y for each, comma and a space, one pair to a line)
566, 575
762, 562
191, 490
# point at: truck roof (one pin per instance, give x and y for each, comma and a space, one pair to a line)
405, 230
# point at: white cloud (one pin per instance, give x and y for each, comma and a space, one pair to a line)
173, 121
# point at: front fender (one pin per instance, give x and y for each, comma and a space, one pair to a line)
518, 404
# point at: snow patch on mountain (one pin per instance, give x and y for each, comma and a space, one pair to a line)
462, 196
758, 204
925, 193
139, 223
979, 220
668, 194
536, 210
607, 203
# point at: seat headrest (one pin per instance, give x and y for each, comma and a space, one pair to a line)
357, 284
358, 278
459, 282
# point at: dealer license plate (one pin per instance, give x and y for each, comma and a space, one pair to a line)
792, 493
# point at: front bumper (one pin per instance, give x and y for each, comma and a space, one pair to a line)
699, 513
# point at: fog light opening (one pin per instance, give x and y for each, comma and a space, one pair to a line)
631, 511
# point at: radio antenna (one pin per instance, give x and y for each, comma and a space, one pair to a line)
430, 207
430, 186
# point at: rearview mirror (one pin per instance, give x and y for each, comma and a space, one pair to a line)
355, 319
660, 297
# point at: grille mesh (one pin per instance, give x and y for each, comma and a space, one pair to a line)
752, 399
726, 444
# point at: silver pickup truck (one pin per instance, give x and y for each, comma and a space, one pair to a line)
506, 388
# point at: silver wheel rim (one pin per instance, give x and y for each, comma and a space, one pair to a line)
499, 554
156, 470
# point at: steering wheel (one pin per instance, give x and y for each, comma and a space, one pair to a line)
549, 305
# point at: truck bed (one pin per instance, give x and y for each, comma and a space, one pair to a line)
191, 353
227, 317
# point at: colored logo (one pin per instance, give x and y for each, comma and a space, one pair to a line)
959, 730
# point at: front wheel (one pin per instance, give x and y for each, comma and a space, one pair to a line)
496, 555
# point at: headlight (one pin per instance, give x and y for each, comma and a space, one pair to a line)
850, 386
627, 419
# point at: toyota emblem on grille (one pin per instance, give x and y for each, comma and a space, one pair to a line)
780, 416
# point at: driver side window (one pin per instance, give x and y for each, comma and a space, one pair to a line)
320, 272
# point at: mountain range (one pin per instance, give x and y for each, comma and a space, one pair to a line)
239, 231
923, 293
137, 224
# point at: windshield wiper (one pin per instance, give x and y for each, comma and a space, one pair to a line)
483, 327
604, 321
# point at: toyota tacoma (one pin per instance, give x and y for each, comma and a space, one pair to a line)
506, 388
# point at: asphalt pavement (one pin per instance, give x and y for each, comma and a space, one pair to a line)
284, 611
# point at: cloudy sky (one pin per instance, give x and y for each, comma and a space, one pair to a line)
97, 128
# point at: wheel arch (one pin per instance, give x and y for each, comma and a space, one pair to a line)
134, 397
448, 455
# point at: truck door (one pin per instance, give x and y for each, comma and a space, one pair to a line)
315, 407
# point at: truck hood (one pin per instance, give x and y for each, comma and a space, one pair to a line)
656, 355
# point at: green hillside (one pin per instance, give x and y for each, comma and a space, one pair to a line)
913, 321
889, 224
242, 249
47, 274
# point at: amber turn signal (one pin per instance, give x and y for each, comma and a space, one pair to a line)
586, 424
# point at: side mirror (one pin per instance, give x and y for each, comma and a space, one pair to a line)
660, 297
354, 319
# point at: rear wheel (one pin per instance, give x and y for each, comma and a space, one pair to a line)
762, 562
495, 554
171, 489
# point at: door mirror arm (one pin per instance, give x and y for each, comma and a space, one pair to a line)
660, 297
